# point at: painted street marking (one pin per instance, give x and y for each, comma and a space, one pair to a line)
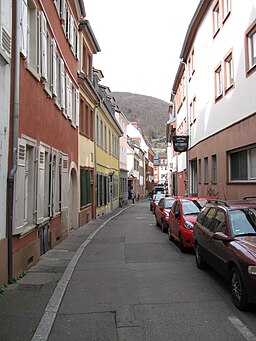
247, 334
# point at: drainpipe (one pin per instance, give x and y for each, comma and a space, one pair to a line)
15, 129
188, 128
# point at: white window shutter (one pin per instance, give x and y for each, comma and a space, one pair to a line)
63, 10
43, 33
40, 184
70, 100
64, 183
77, 107
54, 184
77, 46
24, 27
54, 68
62, 84
71, 32
6, 27
19, 190
68, 84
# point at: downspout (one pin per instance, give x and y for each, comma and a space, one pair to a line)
15, 129
188, 127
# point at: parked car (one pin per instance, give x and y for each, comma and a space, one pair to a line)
162, 212
182, 217
154, 202
225, 239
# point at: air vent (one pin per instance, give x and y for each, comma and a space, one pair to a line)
6, 41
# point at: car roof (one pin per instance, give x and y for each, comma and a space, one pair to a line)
246, 202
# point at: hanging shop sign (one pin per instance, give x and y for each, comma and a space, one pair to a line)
180, 143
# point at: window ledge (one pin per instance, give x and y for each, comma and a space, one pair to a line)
27, 229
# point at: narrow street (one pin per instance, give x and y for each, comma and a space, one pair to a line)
129, 283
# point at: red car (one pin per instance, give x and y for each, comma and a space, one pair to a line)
155, 201
162, 212
182, 217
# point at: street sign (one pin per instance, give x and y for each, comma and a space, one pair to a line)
180, 143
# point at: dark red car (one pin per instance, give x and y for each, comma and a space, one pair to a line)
162, 212
225, 239
182, 217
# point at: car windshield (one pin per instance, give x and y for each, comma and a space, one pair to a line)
243, 221
169, 203
190, 208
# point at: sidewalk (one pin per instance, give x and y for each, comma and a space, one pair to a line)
39, 293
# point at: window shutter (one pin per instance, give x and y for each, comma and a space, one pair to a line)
19, 192
77, 47
64, 183
40, 184
54, 184
70, 100
5, 26
71, 32
54, 68
43, 33
24, 27
68, 96
63, 10
77, 108
62, 84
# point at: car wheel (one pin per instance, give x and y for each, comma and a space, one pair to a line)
163, 227
169, 234
199, 257
238, 290
181, 244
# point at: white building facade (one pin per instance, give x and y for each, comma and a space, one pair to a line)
214, 87
5, 83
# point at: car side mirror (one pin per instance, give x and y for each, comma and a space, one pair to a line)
221, 236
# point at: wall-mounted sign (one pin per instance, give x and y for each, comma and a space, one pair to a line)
180, 143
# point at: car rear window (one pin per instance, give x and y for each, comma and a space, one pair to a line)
243, 221
169, 203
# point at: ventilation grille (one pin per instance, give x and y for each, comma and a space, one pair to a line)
6, 41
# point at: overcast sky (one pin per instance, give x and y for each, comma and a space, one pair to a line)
140, 42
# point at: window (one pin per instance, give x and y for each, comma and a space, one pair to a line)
218, 82
32, 189
206, 170
226, 8
32, 39
102, 190
199, 171
214, 169
229, 72
243, 165
250, 48
216, 18
85, 187
86, 117
192, 111
191, 65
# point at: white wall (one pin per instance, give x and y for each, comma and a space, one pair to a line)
5, 76
241, 100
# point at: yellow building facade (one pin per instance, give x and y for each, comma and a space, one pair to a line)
107, 134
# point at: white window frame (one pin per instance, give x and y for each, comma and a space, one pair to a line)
251, 162
218, 82
229, 71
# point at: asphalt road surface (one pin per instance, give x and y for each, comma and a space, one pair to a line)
127, 281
